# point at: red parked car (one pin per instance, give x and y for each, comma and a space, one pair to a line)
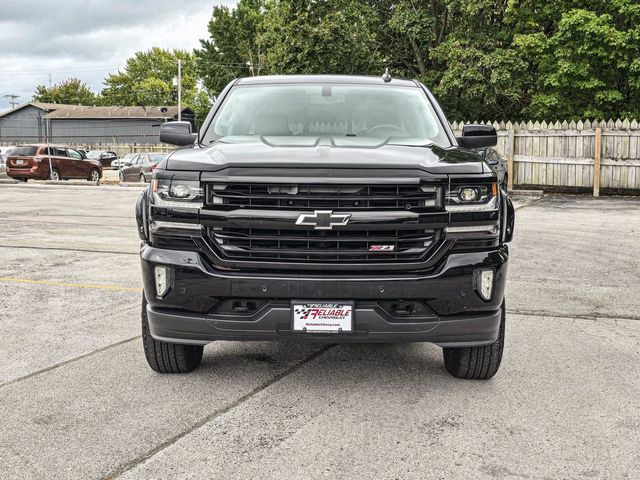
55, 162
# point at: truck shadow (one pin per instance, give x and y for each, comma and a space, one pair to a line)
343, 363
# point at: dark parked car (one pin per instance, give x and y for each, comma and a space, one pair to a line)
498, 162
55, 162
105, 157
141, 167
325, 209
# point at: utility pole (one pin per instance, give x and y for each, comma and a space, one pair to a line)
179, 90
13, 99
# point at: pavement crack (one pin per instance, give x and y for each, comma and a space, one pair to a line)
58, 223
66, 362
54, 283
528, 204
87, 250
36, 215
595, 316
215, 414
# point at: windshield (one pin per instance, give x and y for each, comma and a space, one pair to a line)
23, 151
94, 154
398, 115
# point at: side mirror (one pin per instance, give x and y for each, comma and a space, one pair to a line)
478, 136
177, 133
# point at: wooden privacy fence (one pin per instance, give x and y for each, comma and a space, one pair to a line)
571, 156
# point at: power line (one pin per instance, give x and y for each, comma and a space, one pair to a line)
100, 68
61, 70
13, 99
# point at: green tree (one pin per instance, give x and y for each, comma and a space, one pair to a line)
71, 91
484, 59
460, 49
149, 79
408, 31
325, 36
234, 47
482, 75
287, 36
586, 63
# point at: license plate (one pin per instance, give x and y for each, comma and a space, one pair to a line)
19, 162
322, 317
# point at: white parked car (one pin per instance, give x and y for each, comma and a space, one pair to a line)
3, 155
125, 161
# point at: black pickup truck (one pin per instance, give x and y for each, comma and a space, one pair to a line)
325, 209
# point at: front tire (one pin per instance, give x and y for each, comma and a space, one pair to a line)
476, 363
165, 357
94, 175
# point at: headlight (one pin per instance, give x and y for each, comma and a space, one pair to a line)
472, 198
177, 193
469, 194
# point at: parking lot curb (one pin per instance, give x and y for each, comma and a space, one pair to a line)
78, 183
526, 193
126, 184
55, 185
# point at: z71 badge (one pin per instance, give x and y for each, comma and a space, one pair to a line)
382, 248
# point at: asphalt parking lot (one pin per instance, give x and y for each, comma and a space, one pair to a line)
79, 401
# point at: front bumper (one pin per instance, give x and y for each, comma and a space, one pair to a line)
454, 314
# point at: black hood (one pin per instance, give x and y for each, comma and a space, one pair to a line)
324, 152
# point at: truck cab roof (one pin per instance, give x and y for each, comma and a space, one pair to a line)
337, 79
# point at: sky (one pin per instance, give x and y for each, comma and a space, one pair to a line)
87, 39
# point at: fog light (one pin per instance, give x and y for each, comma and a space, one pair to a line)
162, 280
485, 284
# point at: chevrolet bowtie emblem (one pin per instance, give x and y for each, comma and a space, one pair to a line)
323, 219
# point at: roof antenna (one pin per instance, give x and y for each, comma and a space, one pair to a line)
386, 77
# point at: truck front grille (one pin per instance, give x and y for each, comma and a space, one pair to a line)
327, 246
414, 197
395, 233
